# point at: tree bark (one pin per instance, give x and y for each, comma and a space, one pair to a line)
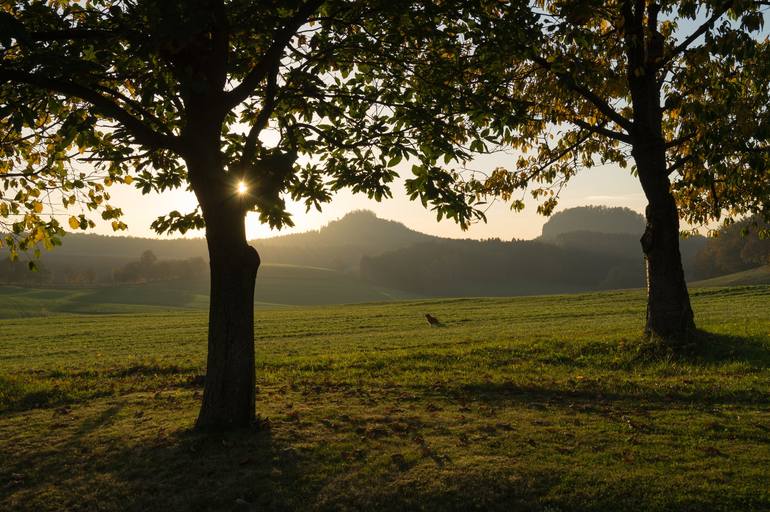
229, 393
669, 314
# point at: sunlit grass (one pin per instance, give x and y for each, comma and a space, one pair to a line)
536, 403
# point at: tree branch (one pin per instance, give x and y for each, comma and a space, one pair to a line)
273, 54
601, 105
143, 134
135, 105
601, 130
678, 164
561, 154
268, 105
681, 47
679, 140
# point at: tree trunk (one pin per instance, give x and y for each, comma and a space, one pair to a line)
228, 397
669, 314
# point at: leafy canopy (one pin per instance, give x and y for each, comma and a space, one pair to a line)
555, 83
105, 91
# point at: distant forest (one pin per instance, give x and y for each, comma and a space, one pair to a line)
741, 246
585, 248
494, 267
599, 219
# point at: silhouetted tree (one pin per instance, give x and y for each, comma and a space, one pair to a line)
677, 89
178, 93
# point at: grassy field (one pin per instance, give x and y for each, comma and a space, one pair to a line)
754, 276
279, 285
533, 403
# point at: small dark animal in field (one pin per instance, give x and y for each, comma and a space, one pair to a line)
432, 320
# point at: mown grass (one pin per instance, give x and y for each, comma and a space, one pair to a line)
536, 403
279, 285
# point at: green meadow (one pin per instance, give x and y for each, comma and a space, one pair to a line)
279, 285
550, 403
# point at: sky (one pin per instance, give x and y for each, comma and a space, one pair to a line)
606, 185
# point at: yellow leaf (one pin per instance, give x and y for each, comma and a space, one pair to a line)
128, 180
74, 222
37, 206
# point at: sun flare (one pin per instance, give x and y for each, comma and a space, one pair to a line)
242, 188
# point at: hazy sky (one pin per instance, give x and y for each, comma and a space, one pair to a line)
607, 185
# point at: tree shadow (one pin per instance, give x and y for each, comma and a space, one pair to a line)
706, 348
183, 470
102, 420
188, 470
509, 394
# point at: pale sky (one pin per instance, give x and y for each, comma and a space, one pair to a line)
607, 185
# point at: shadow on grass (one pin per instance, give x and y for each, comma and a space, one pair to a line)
183, 470
703, 348
252, 470
113, 458
712, 348
602, 398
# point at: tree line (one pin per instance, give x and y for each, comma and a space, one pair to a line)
146, 269
737, 247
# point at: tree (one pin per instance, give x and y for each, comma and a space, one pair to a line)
679, 89
172, 93
736, 247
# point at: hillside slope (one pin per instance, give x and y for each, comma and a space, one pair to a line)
338, 245
278, 285
754, 276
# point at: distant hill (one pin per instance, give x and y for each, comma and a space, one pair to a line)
277, 285
85, 259
358, 258
341, 244
601, 219
89, 258
616, 231
498, 268
628, 246
758, 275
738, 247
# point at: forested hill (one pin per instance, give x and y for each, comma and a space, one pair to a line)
586, 248
341, 244
600, 219
95, 259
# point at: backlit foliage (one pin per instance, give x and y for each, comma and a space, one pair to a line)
99, 92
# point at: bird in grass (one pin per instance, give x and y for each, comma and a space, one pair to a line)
432, 320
